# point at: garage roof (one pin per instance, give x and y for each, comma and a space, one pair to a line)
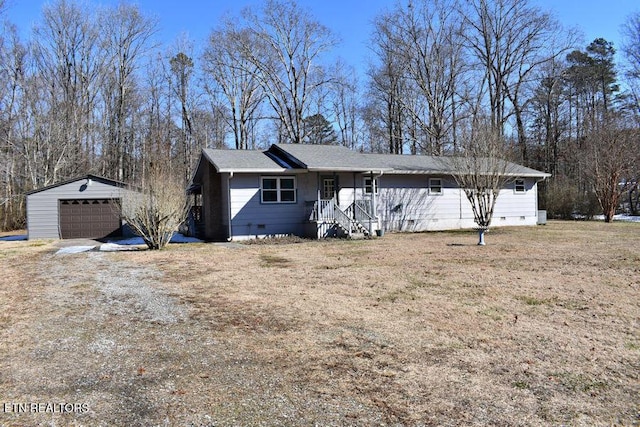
97, 178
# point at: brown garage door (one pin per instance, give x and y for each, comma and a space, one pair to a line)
89, 218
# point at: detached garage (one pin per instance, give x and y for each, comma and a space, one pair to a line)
84, 207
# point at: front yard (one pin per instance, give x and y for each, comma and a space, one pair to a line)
540, 327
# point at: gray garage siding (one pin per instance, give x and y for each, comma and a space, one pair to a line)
43, 205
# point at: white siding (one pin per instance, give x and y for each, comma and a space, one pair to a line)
307, 187
349, 184
404, 204
251, 218
517, 208
42, 207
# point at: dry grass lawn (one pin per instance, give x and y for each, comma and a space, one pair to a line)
540, 327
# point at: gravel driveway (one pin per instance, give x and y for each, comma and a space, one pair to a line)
111, 343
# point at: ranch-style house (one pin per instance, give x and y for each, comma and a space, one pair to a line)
322, 191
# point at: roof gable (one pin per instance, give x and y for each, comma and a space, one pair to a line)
97, 178
324, 157
241, 161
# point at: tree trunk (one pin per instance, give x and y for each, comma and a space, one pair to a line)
609, 213
481, 232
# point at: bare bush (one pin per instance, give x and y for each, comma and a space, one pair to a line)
157, 211
563, 199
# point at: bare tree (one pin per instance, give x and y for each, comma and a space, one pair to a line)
236, 77
12, 172
287, 46
612, 157
156, 121
387, 84
550, 124
510, 39
126, 37
481, 171
182, 71
631, 46
631, 49
345, 106
431, 45
69, 62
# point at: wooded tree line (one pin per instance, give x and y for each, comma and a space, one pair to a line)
92, 91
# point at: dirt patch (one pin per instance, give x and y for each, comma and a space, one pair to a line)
540, 327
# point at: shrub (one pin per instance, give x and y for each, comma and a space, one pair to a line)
560, 199
157, 211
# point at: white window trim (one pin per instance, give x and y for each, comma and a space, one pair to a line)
279, 190
431, 185
374, 184
324, 188
515, 186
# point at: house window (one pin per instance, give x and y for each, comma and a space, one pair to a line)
328, 188
435, 186
278, 189
519, 186
370, 185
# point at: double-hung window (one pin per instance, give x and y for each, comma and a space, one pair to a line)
370, 185
519, 186
278, 189
435, 186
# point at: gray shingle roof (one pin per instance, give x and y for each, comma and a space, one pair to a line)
289, 157
406, 164
241, 161
399, 163
327, 158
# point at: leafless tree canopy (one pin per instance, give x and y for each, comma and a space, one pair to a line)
231, 73
92, 91
612, 159
481, 170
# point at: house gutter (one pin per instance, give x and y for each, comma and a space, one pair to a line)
230, 225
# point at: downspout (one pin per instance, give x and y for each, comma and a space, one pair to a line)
460, 192
336, 188
537, 213
374, 202
230, 225
319, 227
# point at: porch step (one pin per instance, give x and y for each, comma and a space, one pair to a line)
345, 222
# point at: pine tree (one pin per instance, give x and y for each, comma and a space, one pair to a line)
318, 130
